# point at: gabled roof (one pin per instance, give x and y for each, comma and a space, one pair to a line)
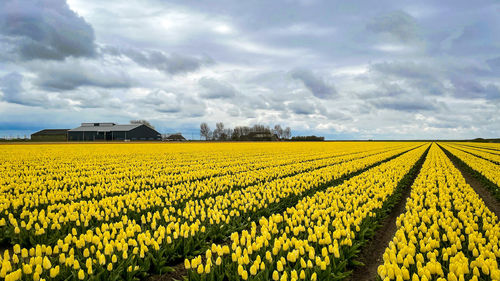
113, 128
51, 132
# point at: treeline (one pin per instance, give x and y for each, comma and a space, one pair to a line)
307, 138
244, 133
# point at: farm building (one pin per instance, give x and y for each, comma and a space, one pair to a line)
112, 131
175, 137
50, 135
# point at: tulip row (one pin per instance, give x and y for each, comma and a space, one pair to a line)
490, 147
488, 171
446, 233
138, 243
495, 149
315, 239
481, 153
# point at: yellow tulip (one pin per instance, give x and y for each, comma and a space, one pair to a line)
244, 275
200, 269
46, 263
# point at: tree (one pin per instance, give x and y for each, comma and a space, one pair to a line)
144, 122
308, 138
287, 133
278, 131
227, 134
259, 128
205, 131
219, 131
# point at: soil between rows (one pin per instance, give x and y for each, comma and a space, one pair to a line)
372, 252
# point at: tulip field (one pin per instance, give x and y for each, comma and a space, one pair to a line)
245, 211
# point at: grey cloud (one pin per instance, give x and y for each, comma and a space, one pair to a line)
469, 89
233, 111
93, 98
404, 69
8, 49
399, 96
494, 64
316, 85
332, 113
170, 103
256, 51
443, 125
253, 102
162, 101
46, 29
72, 74
419, 77
301, 108
214, 89
193, 107
399, 25
11, 87
406, 104
478, 37
384, 89
13, 92
168, 63
169, 108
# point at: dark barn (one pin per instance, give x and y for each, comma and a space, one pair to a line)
50, 135
112, 131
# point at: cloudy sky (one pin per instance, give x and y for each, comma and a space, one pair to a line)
341, 69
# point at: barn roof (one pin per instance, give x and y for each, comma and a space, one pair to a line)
106, 128
51, 132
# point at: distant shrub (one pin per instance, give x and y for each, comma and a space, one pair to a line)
308, 138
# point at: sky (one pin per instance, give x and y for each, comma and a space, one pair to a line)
339, 69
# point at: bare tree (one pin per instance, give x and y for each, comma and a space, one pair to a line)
205, 131
260, 128
227, 133
278, 131
237, 133
287, 133
240, 131
219, 131
144, 122
246, 130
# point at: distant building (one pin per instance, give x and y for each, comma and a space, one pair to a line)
50, 135
112, 131
175, 137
